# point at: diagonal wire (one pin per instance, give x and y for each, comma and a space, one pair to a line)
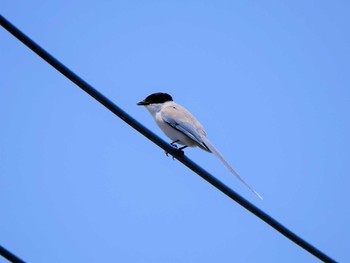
9, 256
161, 143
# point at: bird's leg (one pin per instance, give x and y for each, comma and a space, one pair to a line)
183, 147
176, 147
180, 150
174, 143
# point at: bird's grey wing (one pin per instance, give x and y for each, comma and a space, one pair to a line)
183, 121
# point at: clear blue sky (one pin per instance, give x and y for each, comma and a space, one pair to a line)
270, 82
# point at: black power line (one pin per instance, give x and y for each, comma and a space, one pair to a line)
9, 256
161, 143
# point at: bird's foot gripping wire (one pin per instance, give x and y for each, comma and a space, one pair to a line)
180, 151
174, 144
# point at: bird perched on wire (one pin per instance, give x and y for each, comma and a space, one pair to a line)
182, 127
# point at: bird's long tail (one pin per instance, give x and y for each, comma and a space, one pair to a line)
212, 149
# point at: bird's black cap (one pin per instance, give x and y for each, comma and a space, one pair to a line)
156, 98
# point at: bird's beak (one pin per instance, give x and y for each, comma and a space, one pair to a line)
142, 103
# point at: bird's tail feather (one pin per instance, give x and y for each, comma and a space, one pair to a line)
212, 149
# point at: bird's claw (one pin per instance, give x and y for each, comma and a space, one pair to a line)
179, 153
174, 144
